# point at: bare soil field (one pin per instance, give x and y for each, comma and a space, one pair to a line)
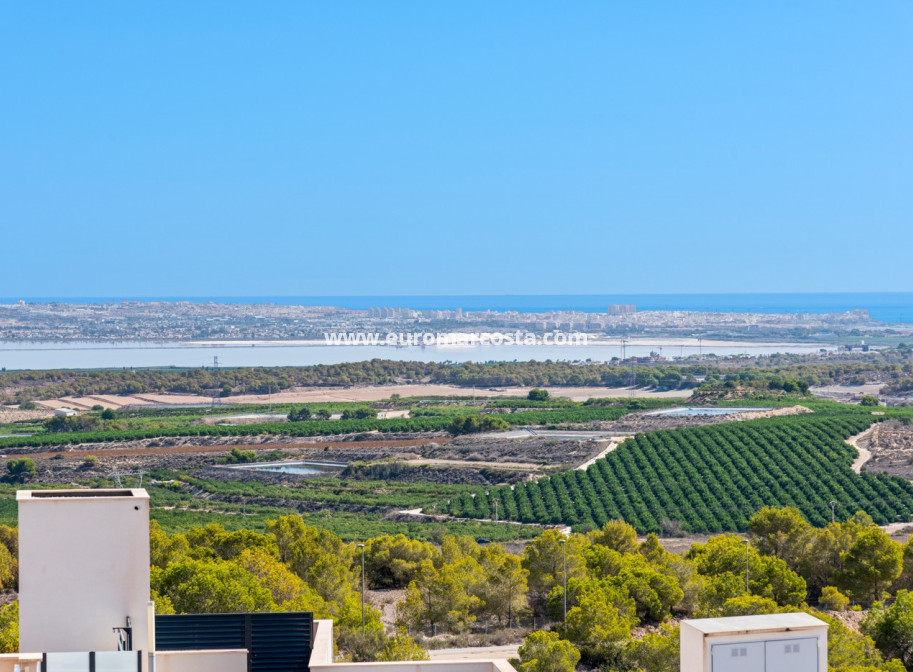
10, 414
846, 393
304, 395
891, 444
531, 450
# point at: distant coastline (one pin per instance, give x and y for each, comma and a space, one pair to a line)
888, 307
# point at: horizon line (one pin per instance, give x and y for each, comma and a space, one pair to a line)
509, 294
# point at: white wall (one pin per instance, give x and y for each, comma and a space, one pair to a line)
83, 569
223, 660
322, 659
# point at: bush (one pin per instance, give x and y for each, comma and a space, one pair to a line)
90, 462
302, 414
537, 395
470, 424
545, 652
868, 400
21, 469
236, 456
359, 414
9, 628
833, 600
671, 528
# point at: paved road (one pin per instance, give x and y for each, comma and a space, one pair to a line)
475, 653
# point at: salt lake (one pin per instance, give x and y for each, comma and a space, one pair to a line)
90, 355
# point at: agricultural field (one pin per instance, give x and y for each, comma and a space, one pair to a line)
450, 467
710, 479
424, 416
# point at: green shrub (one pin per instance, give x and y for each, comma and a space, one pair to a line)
21, 469
833, 600
236, 456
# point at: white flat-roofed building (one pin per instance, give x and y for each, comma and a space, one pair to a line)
83, 570
84, 603
764, 643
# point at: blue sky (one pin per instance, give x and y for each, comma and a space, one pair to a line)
336, 148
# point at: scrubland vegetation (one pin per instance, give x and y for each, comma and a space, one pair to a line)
888, 365
616, 582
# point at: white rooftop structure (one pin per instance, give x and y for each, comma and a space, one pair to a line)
794, 642
760, 623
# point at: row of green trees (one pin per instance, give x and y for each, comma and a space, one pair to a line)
303, 422
17, 386
709, 479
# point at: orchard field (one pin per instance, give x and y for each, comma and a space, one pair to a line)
709, 479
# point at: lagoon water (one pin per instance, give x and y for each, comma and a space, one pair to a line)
20, 355
302, 468
697, 411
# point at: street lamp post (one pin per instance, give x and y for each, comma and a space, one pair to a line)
563, 543
362, 547
745, 541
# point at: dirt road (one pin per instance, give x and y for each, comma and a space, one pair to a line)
613, 444
857, 442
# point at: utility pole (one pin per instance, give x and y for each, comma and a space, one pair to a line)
563, 543
833, 506
215, 380
362, 547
